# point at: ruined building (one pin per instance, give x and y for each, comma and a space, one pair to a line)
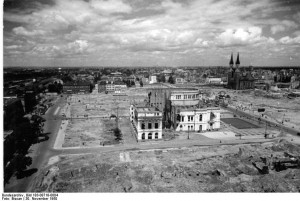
147, 122
188, 115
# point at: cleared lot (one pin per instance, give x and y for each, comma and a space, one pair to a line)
91, 132
90, 123
239, 123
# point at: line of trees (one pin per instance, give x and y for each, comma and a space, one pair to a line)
162, 78
55, 87
16, 146
171, 80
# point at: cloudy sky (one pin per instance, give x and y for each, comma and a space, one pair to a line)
151, 32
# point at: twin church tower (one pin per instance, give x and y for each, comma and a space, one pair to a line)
237, 63
236, 79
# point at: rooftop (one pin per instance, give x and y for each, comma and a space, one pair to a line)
116, 73
167, 71
81, 83
197, 108
184, 91
147, 109
119, 83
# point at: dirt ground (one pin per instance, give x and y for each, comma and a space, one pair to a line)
89, 132
104, 104
277, 109
91, 124
238, 168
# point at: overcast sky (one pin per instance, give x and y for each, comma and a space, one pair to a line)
151, 32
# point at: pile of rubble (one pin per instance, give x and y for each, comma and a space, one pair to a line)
272, 167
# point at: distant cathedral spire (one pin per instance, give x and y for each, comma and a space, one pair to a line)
237, 63
231, 60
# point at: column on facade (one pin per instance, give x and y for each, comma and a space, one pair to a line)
159, 124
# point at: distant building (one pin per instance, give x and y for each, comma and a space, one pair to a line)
180, 80
110, 87
214, 80
131, 78
295, 82
145, 80
237, 79
147, 122
117, 76
152, 79
167, 74
101, 86
120, 87
79, 87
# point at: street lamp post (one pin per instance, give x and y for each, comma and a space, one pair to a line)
188, 133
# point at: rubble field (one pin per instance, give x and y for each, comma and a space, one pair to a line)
93, 117
267, 167
104, 105
89, 132
278, 110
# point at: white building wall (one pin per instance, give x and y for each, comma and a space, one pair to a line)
137, 124
196, 124
152, 79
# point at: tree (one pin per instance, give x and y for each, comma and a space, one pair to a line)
161, 78
59, 87
128, 72
171, 80
118, 134
20, 162
66, 78
92, 86
128, 83
52, 88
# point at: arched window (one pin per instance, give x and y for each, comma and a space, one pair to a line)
149, 135
200, 117
156, 135
143, 136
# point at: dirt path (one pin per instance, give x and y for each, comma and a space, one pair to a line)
128, 134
